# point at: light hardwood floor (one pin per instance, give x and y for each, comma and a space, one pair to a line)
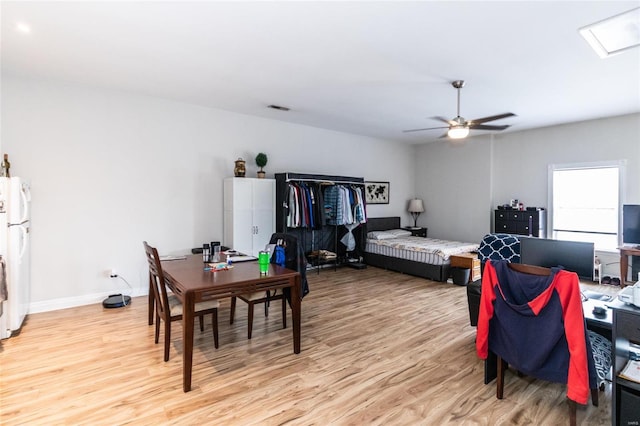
377, 348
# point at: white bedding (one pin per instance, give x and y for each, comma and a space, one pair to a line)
418, 249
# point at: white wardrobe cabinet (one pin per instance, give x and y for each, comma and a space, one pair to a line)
249, 213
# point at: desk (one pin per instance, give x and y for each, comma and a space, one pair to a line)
603, 322
625, 252
191, 283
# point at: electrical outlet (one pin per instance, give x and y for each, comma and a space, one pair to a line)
113, 273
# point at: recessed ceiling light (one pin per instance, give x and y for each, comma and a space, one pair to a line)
279, 108
23, 28
614, 35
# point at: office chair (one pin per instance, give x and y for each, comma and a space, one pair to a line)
531, 318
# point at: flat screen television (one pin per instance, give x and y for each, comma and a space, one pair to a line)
574, 256
631, 224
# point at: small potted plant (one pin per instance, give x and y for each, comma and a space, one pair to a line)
261, 161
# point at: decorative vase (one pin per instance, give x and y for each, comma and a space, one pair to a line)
261, 174
240, 168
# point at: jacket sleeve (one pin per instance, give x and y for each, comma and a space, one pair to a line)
578, 375
487, 297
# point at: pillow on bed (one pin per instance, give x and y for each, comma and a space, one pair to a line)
399, 232
388, 234
381, 235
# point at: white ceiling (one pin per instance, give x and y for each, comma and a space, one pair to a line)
369, 68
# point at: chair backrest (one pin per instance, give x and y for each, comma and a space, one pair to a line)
290, 244
156, 281
294, 258
499, 247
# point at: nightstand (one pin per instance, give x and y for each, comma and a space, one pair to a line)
469, 261
416, 232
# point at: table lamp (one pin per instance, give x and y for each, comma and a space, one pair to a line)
415, 208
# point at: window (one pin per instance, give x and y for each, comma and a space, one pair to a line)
585, 203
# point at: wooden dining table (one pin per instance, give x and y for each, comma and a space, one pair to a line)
192, 283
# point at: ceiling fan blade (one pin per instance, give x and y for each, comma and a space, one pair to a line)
419, 130
488, 127
491, 118
445, 120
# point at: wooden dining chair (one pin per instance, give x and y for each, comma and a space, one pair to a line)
168, 307
287, 253
252, 299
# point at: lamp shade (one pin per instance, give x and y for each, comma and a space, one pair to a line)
415, 206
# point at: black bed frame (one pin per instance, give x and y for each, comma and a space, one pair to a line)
419, 269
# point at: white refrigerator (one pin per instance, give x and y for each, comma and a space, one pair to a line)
15, 200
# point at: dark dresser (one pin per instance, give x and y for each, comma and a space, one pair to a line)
527, 222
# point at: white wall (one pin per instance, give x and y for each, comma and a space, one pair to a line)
521, 159
462, 184
110, 169
453, 182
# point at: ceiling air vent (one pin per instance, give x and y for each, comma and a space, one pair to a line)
278, 107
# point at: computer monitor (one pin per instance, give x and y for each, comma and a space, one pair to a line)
631, 224
574, 256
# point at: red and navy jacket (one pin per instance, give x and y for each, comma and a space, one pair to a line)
536, 324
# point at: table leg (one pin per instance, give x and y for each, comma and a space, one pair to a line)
187, 340
295, 313
624, 266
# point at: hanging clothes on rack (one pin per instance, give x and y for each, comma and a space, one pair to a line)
332, 206
349, 239
359, 211
320, 210
303, 202
292, 206
344, 205
318, 205
355, 217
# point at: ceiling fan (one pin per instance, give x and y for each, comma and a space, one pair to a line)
459, 127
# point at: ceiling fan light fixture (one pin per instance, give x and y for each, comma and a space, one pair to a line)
458, 132
458, 127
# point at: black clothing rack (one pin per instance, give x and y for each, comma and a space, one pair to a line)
344, 180
325, 238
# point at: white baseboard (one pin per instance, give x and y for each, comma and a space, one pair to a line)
72, 302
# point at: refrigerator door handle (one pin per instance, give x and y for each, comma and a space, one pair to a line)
25, 197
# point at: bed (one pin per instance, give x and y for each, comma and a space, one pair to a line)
422, 257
